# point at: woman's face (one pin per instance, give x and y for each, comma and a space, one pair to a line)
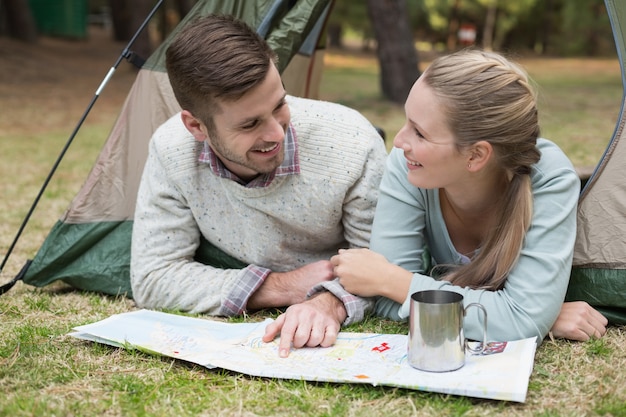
429, 146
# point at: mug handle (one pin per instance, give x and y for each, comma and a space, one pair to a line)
483, 345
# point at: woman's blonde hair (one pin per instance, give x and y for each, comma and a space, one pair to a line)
486, 97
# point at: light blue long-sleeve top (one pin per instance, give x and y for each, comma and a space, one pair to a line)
409, 218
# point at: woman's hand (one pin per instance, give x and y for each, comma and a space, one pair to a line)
367, 274
579, 321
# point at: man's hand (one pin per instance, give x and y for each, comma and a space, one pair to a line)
579, 321
315, 322
282, 289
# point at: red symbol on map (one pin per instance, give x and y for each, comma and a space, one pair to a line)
383, 347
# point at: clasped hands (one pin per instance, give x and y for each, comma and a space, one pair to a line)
317, 321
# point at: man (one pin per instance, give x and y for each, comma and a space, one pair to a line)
277, 182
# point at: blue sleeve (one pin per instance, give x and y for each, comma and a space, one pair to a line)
531, 299
399, 226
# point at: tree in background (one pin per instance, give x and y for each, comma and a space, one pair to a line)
127, 17
585, 29
347, 15
501, 17
397, 56
19, 22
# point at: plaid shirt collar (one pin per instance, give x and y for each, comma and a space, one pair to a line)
290, 165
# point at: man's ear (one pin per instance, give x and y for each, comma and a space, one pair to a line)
194, 126
479, 155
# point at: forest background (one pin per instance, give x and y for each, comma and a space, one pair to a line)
395, 29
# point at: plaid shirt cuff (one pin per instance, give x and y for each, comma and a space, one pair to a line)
251, 279
356, 307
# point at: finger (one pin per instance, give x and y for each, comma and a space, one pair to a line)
592, 327
580, 335
338, 271
287, 336
598, 319
588, 330
272, 329
316, 336
599, 328
593, 315
330, 336
302, 335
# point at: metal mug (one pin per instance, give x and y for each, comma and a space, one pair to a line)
436, 340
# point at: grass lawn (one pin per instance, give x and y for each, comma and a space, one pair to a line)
44, 372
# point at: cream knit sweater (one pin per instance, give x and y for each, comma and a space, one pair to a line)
296, 220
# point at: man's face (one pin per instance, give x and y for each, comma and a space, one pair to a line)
250, 132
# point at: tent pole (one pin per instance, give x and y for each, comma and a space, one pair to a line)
126, 54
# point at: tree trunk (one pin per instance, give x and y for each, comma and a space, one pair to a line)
120, 16
397, 56
453, 26
20, 20
139, 11
184, 6
127, 18
490, 24
334, 34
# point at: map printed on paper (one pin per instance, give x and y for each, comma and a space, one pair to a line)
372, 358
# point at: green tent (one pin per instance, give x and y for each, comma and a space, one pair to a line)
599, 268
89, 246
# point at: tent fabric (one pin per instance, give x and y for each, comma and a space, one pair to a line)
599, 265
89, 246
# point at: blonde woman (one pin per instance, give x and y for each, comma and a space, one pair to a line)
472, 189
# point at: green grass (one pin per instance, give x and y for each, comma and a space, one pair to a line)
45, 372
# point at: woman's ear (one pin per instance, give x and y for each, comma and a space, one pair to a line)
194, 126
479, 155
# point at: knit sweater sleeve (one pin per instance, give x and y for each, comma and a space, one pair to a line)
348, 150
165, 239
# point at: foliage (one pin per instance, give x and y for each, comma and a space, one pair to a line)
349, 15
586, 28
509, 14
559, 27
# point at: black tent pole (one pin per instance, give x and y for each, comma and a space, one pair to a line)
126, 54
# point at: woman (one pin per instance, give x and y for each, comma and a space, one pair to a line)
471, 189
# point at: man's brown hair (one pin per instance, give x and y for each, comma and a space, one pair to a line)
216, 57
